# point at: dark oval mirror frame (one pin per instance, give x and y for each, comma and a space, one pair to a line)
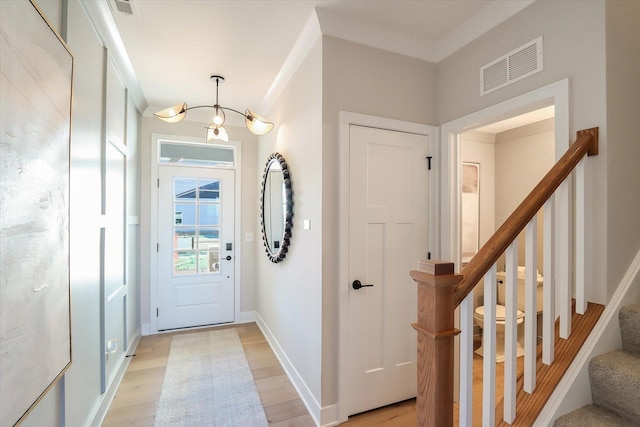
279, 254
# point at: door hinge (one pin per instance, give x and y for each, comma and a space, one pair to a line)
158, 184
429, 162
428, 255
157, 247
157, 312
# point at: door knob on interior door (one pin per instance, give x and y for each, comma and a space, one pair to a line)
228, 257
357, 285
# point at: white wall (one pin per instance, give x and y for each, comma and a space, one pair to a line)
479, 147
76, 399
574, 47
512, 163
523, 156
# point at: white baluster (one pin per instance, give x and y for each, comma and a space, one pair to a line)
563, 244
511, 332
549, 285
530, 304
466, 362
489, 347
581, 300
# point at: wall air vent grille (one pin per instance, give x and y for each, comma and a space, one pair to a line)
515, 65
123, 6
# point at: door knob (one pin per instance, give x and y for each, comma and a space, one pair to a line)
357, 285
228, 257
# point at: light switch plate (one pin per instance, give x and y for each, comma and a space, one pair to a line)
307, 224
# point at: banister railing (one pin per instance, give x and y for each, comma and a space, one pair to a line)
585, 144
440, 291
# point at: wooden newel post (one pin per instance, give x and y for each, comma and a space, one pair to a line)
436, 332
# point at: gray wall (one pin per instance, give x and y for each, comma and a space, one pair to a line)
365, 80
574, 47
76, 399
289, 293
623, 142
621, 183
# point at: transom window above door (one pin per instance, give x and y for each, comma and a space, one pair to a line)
196, 154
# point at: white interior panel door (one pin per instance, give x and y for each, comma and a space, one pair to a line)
195, 247
388, 234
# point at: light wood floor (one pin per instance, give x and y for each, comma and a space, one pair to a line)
136, 398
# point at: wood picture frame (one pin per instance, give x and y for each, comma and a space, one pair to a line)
36, 71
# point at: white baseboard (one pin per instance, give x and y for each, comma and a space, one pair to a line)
108, 396
329, 416
324, 417
247, 317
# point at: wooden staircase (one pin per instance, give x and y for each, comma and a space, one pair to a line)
441, 291
529, 406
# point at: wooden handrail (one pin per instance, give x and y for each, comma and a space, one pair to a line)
586, 143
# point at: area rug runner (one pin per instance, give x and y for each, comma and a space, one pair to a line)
208, 382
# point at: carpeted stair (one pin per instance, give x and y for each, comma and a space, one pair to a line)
615, 382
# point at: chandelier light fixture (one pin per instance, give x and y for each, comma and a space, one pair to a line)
256, 124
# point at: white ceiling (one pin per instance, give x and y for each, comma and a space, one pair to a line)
175, 45
518, 121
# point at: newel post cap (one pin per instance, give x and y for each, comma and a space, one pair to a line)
435, 272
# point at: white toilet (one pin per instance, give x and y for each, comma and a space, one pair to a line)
500, 314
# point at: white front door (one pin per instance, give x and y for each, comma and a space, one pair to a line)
195, 246
387, 235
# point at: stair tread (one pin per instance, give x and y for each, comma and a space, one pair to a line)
592, 416
615, 381
618, 362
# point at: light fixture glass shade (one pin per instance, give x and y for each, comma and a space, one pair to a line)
256, 124
217, 132
218, 118
173, 114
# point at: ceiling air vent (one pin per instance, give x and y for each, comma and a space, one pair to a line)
515, 65
123, 6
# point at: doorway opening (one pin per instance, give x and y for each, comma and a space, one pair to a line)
194, 265
458, 195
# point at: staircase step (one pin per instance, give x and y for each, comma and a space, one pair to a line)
592, 416
630, 328
615, 382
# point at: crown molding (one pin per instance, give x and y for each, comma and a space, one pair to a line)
490, 17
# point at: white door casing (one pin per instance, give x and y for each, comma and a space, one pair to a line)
388, 233
196, 249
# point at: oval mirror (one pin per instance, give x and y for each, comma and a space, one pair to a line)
276, 209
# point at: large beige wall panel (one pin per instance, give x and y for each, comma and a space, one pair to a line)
574, 47
623, 140
359, 79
